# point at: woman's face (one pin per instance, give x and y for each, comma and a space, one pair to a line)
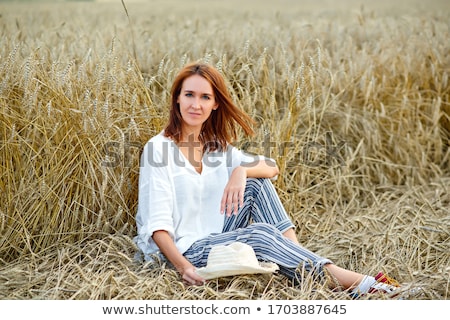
196, 101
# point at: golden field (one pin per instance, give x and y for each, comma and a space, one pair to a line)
351, 98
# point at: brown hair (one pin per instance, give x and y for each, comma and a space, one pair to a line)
221, 127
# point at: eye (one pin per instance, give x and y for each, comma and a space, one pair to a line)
188, 94
206, 97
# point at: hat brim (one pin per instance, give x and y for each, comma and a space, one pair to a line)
226, 270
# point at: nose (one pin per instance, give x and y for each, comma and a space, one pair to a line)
196, 104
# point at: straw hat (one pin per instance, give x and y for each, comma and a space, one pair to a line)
234, 259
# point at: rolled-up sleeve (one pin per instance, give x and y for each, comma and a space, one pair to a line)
155, 203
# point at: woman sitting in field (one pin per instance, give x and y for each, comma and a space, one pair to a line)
197, 191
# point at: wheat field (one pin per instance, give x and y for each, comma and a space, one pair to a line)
351, 98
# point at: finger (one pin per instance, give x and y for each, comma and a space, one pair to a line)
241, 199
229, 204
187, 280
192, 282
194, 279
229, 208
236, 203
199, 280
223, 203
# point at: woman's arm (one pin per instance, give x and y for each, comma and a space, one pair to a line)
171, 252
261, 169
233, 195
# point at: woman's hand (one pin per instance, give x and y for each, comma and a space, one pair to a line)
233, 194
183, 265
191, 277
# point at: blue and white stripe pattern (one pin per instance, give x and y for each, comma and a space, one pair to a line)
260, 223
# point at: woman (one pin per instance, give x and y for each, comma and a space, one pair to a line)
197, 191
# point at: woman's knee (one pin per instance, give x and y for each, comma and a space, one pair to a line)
263, 231
253, 186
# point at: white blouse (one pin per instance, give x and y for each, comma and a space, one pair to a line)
174, 197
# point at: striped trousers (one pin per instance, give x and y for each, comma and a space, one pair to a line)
260, 223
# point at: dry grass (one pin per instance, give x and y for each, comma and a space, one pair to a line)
353, 102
